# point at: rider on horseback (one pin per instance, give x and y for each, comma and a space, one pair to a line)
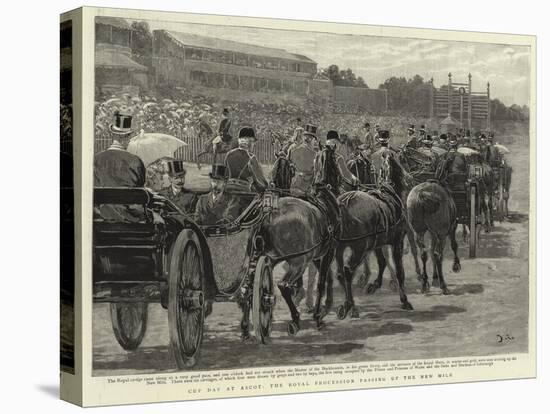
224, 128
244, 170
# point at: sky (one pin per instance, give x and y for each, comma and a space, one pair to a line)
506, 67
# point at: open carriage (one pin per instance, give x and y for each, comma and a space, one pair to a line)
145, 250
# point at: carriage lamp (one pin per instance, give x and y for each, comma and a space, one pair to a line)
270, 202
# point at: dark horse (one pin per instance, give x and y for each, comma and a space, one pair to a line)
431, 208
370, 221
297, 233
282, 173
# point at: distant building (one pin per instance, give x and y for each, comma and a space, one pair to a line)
185, 59
115, 69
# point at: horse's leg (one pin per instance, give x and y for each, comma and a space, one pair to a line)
435, 275
365, 277
311, 278
388, 254
295, 269
465, 232
438, 249
373, 287
345, 271
454, 246
324, 274
397, 250
245, 303
419, 238
414, 251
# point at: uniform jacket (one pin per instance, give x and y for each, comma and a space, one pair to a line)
224, 128
302, 157
376, 158
209, 211
243, 166
184, 199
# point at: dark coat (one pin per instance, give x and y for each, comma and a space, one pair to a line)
185, 200
118, 168
224, 130
243, 165
209, 212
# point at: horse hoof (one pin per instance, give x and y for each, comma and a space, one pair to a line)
292, 328
456, 267
407, 306
425, 287
393, 286
245, 337
445, 291
354, 313
371, 288
341, 312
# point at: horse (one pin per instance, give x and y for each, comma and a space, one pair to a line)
431, 208
282, 172
297, 232
220, 148
369, 221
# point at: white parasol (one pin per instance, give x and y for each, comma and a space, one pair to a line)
502, 149
152, 146
467, 151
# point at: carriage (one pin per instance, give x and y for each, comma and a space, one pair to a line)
157, 254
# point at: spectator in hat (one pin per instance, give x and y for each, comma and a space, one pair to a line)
302, 157
442, 143
217, 206
427, 150
184, 199
453, 167
383, 140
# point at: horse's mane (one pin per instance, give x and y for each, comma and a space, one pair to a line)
399, 177
329, 168
282, 173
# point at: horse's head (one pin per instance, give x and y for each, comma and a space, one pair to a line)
282, 173
392, 173
329, 169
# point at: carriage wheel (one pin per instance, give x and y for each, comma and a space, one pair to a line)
186, 299
129, 322
473, 221
263, 300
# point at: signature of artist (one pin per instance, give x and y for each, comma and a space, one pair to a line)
504, 338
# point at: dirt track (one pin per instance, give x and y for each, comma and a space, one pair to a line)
488, 298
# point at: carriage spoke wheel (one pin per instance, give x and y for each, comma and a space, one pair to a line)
263, 300
186, 299
129, 322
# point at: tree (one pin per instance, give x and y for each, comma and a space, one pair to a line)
343, 77
141, 42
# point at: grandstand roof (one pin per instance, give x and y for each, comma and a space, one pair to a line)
189, 39
112, 21
112, 58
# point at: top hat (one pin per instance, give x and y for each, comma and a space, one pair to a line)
225, 111
310, 130
122, 123
383, 136
443, 137
247, 132
367, 125
428, 140
453, 141
219, 172
175, 168
333, 135
411, 128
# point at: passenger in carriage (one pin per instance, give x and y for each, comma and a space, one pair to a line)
217, 207
383, 139
442, 142
412, 141
176, 192
453, 167
427, 150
